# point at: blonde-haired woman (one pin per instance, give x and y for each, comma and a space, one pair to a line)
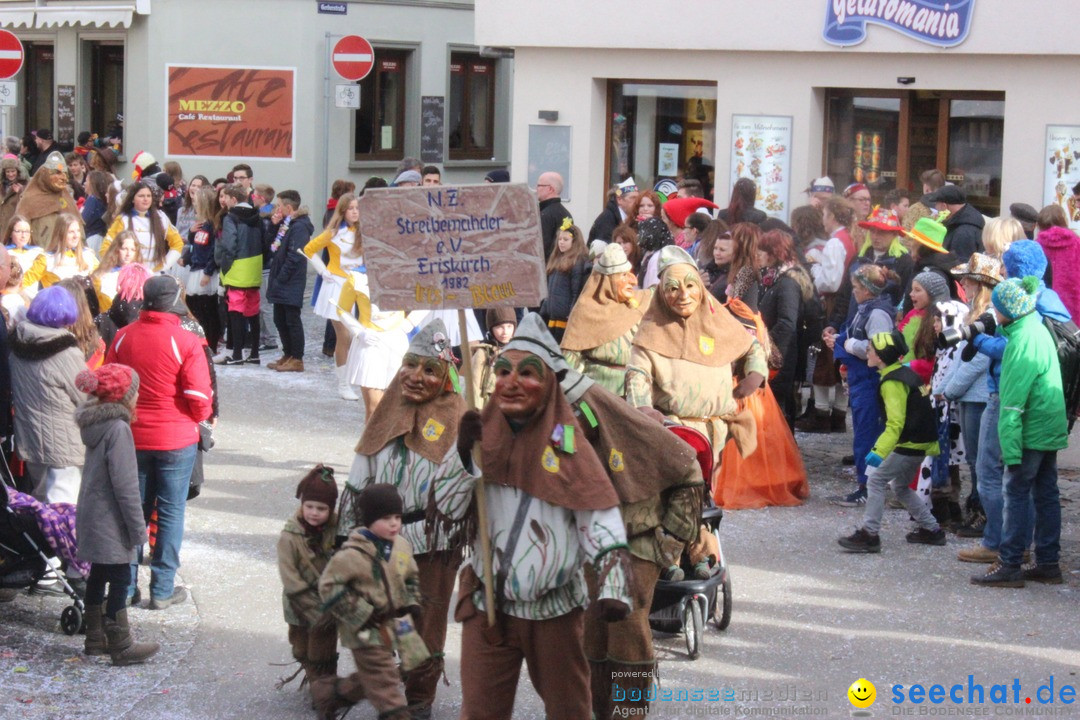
345, 248
123, 251
999, 233
65, 256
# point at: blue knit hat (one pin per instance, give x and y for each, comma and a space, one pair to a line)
1023, 258
1016, 298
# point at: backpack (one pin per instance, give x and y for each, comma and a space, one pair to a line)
1066, 337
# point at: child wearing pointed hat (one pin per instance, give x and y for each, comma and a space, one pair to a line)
551, 509
658, 480
303, 550
910, 435
602, 324
410, 442
372, 587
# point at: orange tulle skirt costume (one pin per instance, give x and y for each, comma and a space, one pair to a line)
774, 473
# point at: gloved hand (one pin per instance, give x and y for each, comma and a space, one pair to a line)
873, 459
748, 385
470, 432
328, 276
612, 610
989, 323
970, 351
370, 338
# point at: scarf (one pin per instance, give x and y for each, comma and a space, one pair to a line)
548, 457
710, 337
317, 541
382, 547
599, 316
429, 430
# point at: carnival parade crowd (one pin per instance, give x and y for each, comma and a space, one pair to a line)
945, 335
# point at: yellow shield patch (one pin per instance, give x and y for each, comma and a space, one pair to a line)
615, 461
433, 430
549, 460
706, 344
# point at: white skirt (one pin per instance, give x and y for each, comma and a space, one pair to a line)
326, 302
374, 366
192, 279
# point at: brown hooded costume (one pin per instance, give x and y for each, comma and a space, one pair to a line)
9, 198
42, 205
412, 446
551, 510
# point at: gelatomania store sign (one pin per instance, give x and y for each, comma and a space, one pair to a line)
944, 23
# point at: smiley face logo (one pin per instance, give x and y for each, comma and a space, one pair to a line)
862, 693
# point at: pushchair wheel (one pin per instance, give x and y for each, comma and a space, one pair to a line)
693, 623
722, 610
71, 620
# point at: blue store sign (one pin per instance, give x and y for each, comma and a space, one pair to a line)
944, 23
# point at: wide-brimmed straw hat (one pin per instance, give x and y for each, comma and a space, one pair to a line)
982, 268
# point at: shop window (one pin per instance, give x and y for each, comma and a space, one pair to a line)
472, 107
661, 131
106, 86
38, 86
976, 135
863, 145
380, 121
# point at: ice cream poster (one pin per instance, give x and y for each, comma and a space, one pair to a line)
761, 151
1061, 169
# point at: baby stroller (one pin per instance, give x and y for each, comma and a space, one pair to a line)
23, 558
685, 606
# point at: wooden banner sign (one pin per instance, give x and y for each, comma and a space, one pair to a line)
453, 246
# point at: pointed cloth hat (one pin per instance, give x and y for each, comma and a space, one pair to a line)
710, 337
548, 457
599, 316
429, 429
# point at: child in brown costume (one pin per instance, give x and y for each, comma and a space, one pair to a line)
370, 586
304, 549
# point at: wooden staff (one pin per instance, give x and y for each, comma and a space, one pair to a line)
481, 498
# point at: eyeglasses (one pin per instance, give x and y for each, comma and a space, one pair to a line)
241, 177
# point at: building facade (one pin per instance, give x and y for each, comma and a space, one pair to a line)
211, 83
874, 91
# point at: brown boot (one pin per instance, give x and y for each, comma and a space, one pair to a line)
819, 422
95, 634
122, 647
838, 421
279, 362
330, 694
293, 365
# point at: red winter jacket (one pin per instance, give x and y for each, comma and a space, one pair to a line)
174, 380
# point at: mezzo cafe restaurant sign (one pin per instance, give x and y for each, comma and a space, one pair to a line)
944, 23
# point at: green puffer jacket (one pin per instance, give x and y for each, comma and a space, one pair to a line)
1032, 401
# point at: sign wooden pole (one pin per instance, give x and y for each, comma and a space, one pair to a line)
481, 498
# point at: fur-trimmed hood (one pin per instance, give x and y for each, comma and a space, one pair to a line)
93, 418
36, 342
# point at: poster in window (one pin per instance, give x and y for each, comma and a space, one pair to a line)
1061, 170
667, 160
701, 110
230, 112
761, 151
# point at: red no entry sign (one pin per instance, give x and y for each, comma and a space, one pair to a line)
11, 54
353, 57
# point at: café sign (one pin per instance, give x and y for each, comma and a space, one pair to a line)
944, 23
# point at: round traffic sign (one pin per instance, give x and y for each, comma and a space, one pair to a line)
11, 54
353, 57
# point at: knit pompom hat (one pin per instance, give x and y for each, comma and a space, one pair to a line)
112, 383
1023, 258
318, 486
377, 501
1016, 298
889, 346
934, 285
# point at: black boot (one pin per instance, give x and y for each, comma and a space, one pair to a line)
819, 422
939, 508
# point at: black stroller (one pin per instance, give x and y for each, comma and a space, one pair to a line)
685, 606
23, 558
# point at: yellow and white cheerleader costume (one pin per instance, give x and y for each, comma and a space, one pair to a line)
140, 225
51, 268
339, 264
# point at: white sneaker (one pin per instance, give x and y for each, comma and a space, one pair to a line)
219, 359
345, 391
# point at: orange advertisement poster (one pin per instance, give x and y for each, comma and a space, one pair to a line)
230, 112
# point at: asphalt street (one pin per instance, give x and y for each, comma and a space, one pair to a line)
808, 620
